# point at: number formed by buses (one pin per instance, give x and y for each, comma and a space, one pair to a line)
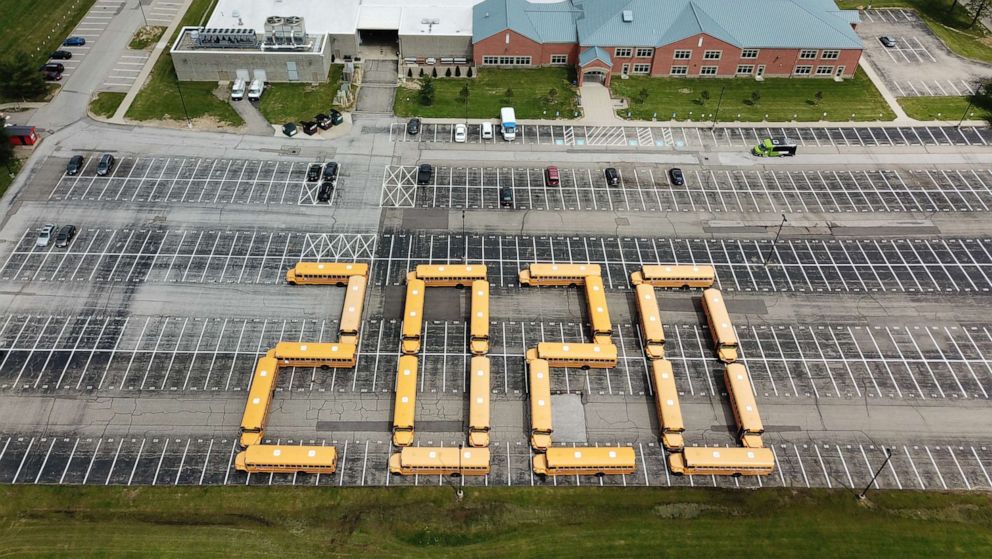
473, 459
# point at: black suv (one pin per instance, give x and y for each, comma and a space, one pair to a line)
612, 176
65, 236
56, 67
324, 193
425, 173
413, 126
75, 165
506, 197
313, 172
331, 172
675, 175
106, 165
61, 55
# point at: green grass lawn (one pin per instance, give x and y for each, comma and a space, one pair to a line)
289, 522
146, 37
159, 99
952, 26
488, 93
285, 102
782, 99
39, 26
106, 102
7, 178
941, 108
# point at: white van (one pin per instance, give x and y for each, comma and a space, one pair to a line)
238, 90
255, 90
487, 131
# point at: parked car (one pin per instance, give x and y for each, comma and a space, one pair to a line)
74, 42
309, 127
325, 191
330, 172
52, 76
676, 176
61, 55
323, 121
289, 129
506, 197
75, 165
461, 133
65, 236
45, 234
336, 117
313, 172
487, 131
255, 90
413, 126
238, 90
425, 173
52, 67
612, 176
106, 165
552, 177
887, 42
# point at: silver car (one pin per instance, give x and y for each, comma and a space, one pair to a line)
45, 234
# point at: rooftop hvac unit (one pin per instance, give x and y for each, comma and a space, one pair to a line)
287, 30
225, 38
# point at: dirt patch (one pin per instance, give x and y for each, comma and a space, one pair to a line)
210, 123
146, 37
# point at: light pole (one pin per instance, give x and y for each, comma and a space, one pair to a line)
189, 123
140, 7
888, 456
775, 241
971, 101
716, 115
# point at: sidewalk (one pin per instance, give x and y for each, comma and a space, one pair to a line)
901, 116
139, 81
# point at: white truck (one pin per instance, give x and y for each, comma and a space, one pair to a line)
508, 123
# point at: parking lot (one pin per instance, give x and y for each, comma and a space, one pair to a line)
91, 28
919, 64
644, 188
194, 180
804, 265
110, 353
191, 460
744, 137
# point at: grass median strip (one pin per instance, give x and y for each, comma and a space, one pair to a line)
106, 102
534, 93
491, 522
294, 102
774, 99
941, 108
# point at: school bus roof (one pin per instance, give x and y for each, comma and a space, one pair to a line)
650, 272
432, 271
332, 268
406, 392
291, 454
733, 456
538, 270
550, 350
444, 457
719, 315
558, 456
309, 350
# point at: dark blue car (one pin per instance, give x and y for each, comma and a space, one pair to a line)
74, 42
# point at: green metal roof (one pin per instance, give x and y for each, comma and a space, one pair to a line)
743, 23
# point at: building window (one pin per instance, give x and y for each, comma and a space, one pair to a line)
802, 70
707, 71
506, 60
712, 54
623, 52
745, 69
830, 54
683, 54
559, 59
824, 70
644, 53
642, 68
680, 70
807, 54
749, 53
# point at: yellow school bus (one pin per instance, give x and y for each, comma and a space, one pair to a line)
581, 355
674, 275
479, 323
722, 461
405, 405
263, 386
666, 402
721, 329
325, 273
599, 312
478, 406
450, 275
323, 355
652, 331
585, 461
351, 313
414, 460
413, 316
287, 459
749, 426
557, 274
540, 404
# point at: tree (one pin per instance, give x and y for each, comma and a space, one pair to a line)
20, 78
464, 93
6, 148
977, 8
433, 72
427, 91
447, 73
755, 97
552, 96
458, 71
817, 97
642, 95
469, 74
508, 93
704, 96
